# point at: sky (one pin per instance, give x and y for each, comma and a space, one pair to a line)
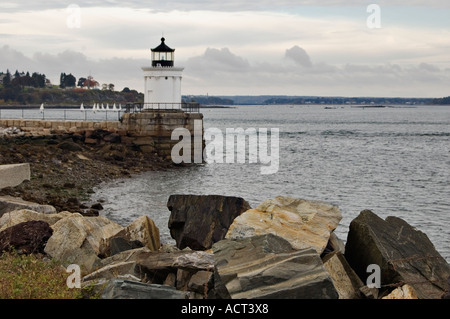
388, 48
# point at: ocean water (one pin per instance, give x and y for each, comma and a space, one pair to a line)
394, 161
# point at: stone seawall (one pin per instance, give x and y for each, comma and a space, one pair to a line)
150, 130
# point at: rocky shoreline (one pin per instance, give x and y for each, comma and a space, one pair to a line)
65, 167
283, 248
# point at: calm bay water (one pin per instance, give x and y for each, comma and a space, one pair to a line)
394, 161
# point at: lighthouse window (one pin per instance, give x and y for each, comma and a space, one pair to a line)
162, 56
166, 77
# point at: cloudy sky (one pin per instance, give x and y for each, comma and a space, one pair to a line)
253, 47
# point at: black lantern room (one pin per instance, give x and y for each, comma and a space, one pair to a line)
162, 55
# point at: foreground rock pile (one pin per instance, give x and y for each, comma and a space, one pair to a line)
284, 248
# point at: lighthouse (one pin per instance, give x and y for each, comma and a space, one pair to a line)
162, 80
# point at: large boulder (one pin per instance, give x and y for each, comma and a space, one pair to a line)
10, 203
24, 215
119, 265
198, 221
404, 254
305, 224
76, 239
27, 237
12, 175
126, 289
345, 280
184, 270
158, 265
141, 232
267, 266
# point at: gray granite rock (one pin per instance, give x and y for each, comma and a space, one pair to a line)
267, 266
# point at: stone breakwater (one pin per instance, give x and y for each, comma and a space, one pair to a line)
284, 248
150, 130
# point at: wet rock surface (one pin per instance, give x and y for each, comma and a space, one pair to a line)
198, 221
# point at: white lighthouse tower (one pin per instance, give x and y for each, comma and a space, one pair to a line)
162, 79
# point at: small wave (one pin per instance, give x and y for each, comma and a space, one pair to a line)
338, 133
380, 134
291, 134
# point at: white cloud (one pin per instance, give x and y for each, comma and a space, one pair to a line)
299, 56
265, 47
307, 78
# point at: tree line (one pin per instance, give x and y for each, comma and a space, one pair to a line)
441, 101
23, 88
70, 81
35, 80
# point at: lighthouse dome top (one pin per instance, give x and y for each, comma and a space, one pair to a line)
162, 47
162, 55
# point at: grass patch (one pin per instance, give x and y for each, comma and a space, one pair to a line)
31, 277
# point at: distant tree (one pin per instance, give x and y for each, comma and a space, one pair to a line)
7, 79
17, 82
26, 80
17, 74
38, 80
126, 90
70, 80
111, 87
104, 86
441, 101
90, 82
62, 79
81, 82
